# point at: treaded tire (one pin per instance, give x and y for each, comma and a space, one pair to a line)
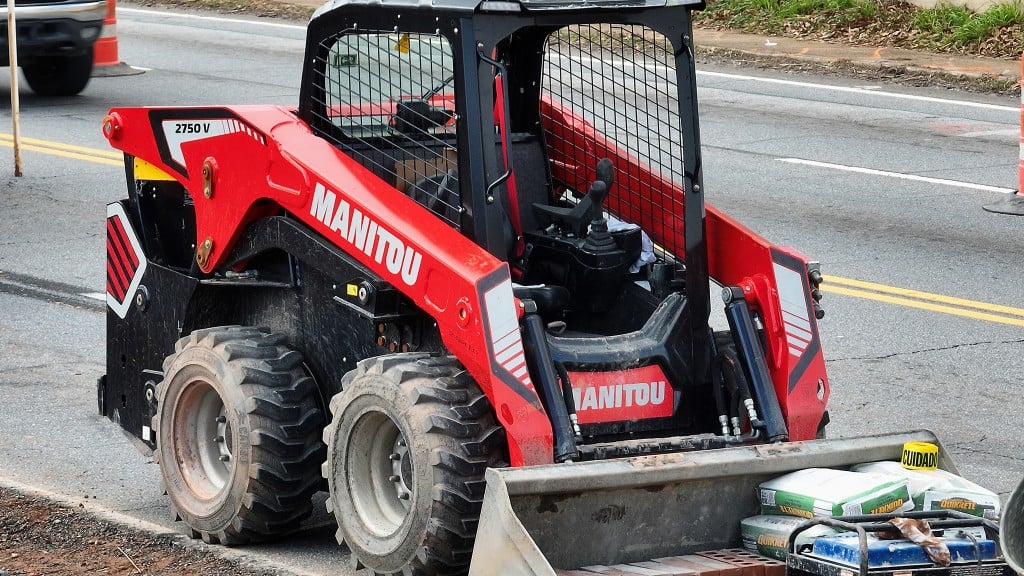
238, 435
59, 75
429, 412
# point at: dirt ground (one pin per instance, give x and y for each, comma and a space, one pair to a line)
38, 537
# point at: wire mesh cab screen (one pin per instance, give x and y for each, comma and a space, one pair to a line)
611, 90
389, 96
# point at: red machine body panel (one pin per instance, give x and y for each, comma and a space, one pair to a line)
246, 162
262, 160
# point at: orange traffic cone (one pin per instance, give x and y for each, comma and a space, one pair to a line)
105, 59
1014, 205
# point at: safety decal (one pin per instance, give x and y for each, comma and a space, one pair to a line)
175, 127
126, 262
795, 314
505, 337
179, 131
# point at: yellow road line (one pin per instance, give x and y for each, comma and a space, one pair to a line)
917, 294
65, 154
834, 284
922, 305
8, 139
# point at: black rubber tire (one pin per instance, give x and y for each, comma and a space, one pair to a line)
451, 437
247, 388
59, 75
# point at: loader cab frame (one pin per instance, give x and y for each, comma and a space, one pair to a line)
491, 88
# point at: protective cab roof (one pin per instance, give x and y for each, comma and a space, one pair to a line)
508, 5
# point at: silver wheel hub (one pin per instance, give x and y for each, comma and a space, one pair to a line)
401, 470
202, 440
378, 473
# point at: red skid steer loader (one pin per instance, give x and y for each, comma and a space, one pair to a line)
472, 270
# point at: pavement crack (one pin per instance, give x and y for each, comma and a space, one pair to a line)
14, 369
48, 291
926, 350
973, 449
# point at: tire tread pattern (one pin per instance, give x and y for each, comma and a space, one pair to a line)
285, 427
452, 416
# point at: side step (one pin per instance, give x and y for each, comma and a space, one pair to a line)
730, 562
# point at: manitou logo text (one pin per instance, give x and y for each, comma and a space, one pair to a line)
364, 234
619, 396
629, 394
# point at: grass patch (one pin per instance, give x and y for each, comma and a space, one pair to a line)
997, 31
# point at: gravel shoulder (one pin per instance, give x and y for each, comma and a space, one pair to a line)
39, 535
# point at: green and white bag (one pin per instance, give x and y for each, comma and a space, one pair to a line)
940, 490
827, 492
769, 535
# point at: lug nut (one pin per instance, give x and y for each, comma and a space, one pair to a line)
224, 458
403, 496
394, 478
221, 419
218, 439
396, 457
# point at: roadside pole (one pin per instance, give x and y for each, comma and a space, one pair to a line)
12, 43
1014, 205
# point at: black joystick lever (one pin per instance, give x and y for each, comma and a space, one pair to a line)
605, 173
589, 211
599, 239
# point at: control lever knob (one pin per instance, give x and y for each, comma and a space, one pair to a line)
606, 172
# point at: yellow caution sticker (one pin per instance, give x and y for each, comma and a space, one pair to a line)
403, 44
920, 456
146, 171
352, 290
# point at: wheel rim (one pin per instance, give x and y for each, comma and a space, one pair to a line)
202, 440
379, 473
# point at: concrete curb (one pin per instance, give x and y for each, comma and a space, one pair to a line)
798, 50
868, 57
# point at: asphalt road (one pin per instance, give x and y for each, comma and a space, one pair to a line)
785, 154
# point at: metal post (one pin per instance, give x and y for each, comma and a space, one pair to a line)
12, 43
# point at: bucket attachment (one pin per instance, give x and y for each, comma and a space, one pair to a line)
536, 520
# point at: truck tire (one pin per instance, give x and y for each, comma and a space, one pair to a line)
238, 435
59, 75
408, 445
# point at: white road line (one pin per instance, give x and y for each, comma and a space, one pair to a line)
1008, 132
94, 295
872, 172
851, 90
143, 12
743, 77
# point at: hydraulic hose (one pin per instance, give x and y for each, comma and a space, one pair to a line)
542, 368
741, 321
